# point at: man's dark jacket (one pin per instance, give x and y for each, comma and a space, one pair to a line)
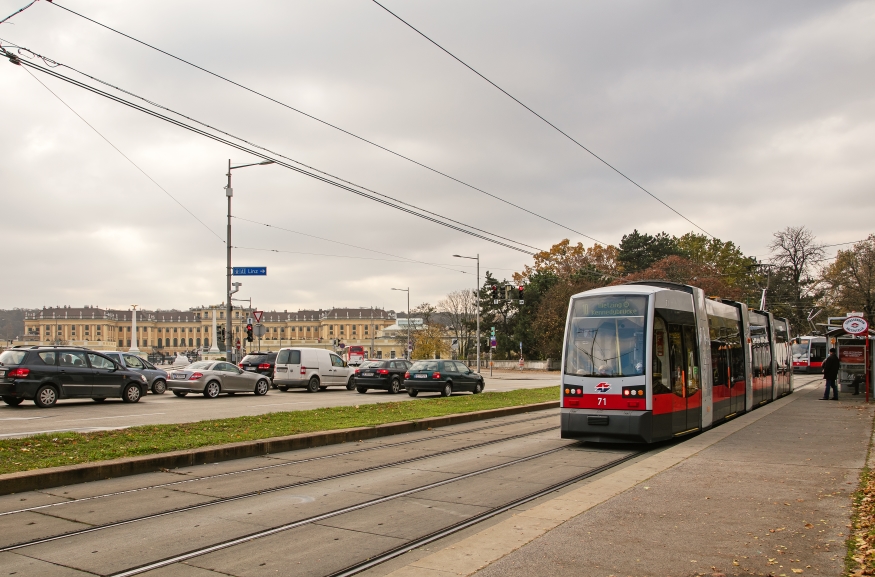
831, 367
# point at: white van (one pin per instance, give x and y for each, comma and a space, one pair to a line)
313, 369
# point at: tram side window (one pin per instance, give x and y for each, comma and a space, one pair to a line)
692, 350
727, 358
818, 352
661, 384
676, 353
762, 357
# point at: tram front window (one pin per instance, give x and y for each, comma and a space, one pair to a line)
606, 337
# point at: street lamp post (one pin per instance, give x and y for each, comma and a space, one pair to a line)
229, 192
407, 290
477, 296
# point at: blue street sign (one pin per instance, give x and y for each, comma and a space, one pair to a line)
249, 271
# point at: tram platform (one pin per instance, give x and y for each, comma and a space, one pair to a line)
768, 493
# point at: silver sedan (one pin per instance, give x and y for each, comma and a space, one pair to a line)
212, 378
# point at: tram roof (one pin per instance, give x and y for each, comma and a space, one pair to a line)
632, 289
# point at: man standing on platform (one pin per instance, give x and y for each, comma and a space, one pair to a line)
831, 373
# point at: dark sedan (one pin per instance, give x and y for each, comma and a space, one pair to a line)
385, 375
444, 377
261, 363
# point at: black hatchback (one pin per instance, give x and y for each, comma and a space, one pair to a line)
444, 377
261, 363
385, 375
45, 374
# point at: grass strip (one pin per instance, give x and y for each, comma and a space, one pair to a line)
860, 556
55, 449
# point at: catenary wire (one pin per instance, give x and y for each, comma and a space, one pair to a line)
335, 127
345, 244
126, 157
382, 199
556, 128
19, 11
345, 256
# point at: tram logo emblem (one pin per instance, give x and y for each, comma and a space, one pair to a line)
603, 387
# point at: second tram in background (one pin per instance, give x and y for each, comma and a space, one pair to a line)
809, 352
649, 361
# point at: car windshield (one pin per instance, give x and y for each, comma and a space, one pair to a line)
200, 365
424, 366
606, 336
373, 364
12, 357
254, 359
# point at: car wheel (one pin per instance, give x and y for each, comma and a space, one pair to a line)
99, 399
395, 386
212, 390
313, 385
282, 388
46, 396
447, 390
12, 401
159, 387
412, 392
180, 393
361, 390
478, 388
261, 387
131, 393
350, 384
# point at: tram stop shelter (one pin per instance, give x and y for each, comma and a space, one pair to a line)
856, 361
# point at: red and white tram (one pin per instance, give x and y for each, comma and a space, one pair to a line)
809, 352
649, 361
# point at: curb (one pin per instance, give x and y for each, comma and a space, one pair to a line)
85, 472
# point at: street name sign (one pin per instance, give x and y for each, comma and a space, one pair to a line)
249, 271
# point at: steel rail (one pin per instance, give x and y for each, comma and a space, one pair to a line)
250, 494
285, 527
273, 466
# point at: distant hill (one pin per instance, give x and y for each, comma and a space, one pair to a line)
11, 323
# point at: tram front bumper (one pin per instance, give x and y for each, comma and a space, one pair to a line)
607, 426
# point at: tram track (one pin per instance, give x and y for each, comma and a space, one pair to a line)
397, 551
260, 492
37, 508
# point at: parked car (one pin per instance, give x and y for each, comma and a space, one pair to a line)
262, 363
313, 369
213, 378
444, 377
44, 374
155, 377
386, 375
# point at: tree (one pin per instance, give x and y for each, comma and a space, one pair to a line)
639, 251
430, 337
795, 250
568, 262
684, 271
460, 307
850, 280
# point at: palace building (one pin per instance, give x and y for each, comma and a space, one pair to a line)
168, 332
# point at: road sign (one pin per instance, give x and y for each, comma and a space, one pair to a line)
260, 330
855, 325
257, 315
249, 271
250, 321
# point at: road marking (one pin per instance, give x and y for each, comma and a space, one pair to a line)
26, 418
115, 417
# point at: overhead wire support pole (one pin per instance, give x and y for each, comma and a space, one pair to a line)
556, 128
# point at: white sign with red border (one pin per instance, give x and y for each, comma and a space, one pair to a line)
855, 325
257, 315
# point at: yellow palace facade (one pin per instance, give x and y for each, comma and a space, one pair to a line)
168, 332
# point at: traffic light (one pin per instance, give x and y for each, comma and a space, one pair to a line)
495, 294
249, 333
508, 292
520, 293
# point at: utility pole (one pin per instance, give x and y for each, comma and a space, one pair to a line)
476, 296
407, 290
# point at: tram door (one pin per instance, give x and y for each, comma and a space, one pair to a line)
685, 378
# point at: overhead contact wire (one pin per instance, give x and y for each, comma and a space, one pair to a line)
365, 193
559, 130
326, 123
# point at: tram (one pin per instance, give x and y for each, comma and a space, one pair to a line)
809, 352
651, 360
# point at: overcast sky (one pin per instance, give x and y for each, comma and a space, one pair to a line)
747, 117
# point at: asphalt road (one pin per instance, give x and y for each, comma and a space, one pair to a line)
84, 415
308, 512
